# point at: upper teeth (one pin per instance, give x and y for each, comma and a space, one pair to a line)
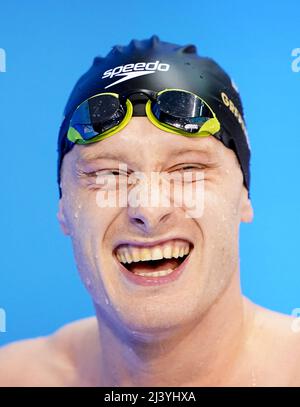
129, 254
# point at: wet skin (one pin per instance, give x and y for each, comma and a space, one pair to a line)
198, 330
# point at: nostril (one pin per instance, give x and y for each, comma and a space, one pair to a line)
141, 220
138, 220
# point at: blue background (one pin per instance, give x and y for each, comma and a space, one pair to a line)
48, 46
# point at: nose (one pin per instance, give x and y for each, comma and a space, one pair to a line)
153, 208
149, 219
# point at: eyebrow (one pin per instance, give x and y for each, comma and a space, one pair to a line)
207, 151
100, 156
118, 157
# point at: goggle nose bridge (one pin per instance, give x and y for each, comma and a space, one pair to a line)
138, 99
138, 95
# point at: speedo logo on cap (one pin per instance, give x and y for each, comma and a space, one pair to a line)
130, 71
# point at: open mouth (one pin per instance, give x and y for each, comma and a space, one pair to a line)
154, 261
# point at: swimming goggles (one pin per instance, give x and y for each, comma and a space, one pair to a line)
173, 110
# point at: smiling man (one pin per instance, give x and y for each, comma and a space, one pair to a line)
164, 278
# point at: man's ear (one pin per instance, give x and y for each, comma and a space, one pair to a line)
61, 218
246, 207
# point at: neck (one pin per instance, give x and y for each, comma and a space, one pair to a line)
204, 354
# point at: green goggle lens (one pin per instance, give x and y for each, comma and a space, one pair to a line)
182, 110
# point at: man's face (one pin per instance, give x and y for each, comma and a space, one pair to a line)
96, 232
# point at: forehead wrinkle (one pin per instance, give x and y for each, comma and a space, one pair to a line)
89, 154
136, 164
89, 157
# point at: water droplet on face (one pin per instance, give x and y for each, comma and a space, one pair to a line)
76, 215
253, 378
88, 282
106, 301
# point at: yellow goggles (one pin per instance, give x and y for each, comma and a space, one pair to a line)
173, 110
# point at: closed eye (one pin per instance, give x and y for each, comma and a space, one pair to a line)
110, 172
190, 167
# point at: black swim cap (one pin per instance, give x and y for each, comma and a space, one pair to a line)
157, 65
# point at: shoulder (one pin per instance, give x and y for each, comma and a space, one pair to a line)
43, 361
276, 338
31, 362
281, 328
273, 320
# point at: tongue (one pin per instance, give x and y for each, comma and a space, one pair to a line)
153, 265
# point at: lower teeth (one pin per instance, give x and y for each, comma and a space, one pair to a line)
155, 273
